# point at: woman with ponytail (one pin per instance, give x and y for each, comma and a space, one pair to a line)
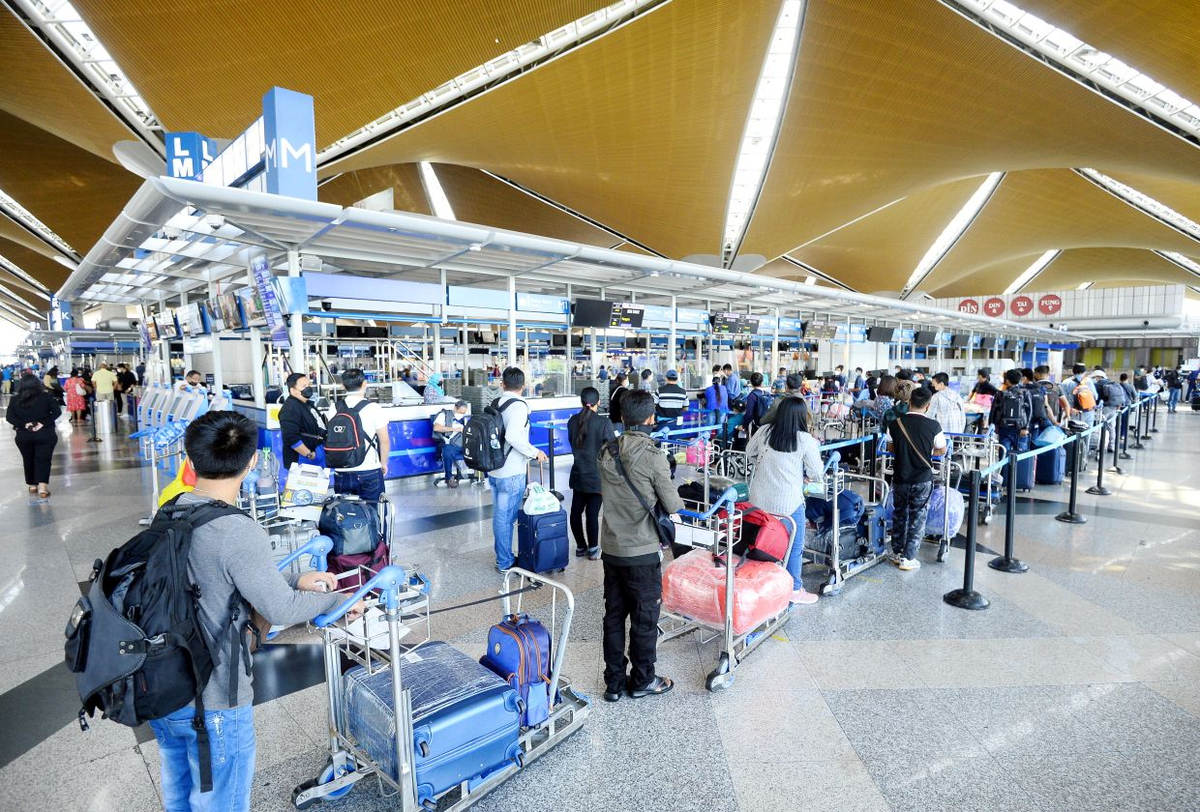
588, 432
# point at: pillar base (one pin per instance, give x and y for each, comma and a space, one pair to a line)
966, 599
1003, 564
1071, 518
1099, 490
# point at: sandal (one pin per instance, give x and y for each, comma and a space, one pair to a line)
33, 488
659, 686
43, 494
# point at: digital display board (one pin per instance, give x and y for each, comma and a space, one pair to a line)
151, 327
591, 313
627, 316
818, 330
734, 324
960, 340
252, 309
880, 334
216, 319
166, 325
988, 343
231, 314
927, 337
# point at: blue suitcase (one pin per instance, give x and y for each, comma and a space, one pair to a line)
1025, 474
466, 720
1051, 466
542, 543
519, 652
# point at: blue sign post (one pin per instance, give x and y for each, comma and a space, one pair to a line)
290, 151
188, 154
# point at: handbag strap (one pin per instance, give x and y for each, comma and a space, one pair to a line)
900, 424
614, 451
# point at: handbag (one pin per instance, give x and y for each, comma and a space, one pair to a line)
663, 526
80, 390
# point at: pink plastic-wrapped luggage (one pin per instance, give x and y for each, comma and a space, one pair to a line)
694, 588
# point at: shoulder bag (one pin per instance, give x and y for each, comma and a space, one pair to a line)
662, 520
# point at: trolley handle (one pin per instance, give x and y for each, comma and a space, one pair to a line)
728, 498
319, 547
389, 581
663, 434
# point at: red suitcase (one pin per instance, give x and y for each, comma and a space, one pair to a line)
694, 588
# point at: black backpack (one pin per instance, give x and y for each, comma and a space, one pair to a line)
1037, 397
484, 448
136, 640
1014, 408
346, 444
1112, 394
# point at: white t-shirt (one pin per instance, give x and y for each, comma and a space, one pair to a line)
372, 418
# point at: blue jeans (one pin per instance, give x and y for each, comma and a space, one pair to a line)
1173, 398
368, 485
231, 740
507, 493
450, 455
910, 502
796, 556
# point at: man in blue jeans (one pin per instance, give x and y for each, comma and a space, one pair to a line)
366, 478
508, 481
231, 565
1012, 413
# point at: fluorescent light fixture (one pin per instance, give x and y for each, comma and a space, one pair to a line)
1144, 202
957, 226
762, 126
810, 280
22, 215
65, 262
433, 190
1185, 262
1085, 286
15, 270
1033, 270
74, 40
1082, 61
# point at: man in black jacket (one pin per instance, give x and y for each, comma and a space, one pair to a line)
618, 390
303, 431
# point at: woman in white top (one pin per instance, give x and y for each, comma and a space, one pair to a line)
783, 456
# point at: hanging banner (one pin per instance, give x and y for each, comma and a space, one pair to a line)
1021, 306
994, 307
265, 284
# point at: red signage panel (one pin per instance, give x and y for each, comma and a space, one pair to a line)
1021, 306
994, 306
1049, 304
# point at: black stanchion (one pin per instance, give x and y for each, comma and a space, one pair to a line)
1127, 418
132, 405
1144, 406
1006, 562
1154, 414
1071, 515
94, 438
550, 463
967, 597
1137, 430
1116, 446
1098, 489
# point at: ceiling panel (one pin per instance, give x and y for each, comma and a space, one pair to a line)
11, 230
881, 251
1179, 195
35, 86
1040, 210
890, 98
1158, 37
1106, 267
69, 189
638, 130
42, 268
207, 67
350, 187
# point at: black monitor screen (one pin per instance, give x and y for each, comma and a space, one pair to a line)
592, 313
628, 316
988, 343
734, 323
926, 337
880, 334
960, 340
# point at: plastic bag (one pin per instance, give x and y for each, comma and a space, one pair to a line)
694, 588
538, 500
697, 452
1049, 436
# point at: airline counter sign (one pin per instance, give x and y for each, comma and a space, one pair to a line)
969, 306
1021, 306
1049, 304
994, 306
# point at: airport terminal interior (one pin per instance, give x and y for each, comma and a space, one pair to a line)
866, 333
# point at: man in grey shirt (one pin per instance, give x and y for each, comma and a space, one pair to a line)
230, 563
509, 480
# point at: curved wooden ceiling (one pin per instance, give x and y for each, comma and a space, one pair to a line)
350, 187
1104, 267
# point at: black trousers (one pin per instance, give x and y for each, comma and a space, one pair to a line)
36, 450
589, 504
633, 594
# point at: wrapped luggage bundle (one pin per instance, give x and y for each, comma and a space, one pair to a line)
694, 587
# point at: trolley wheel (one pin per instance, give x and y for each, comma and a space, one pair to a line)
721, 677
831, 587
327, 775
943, 549
986, 516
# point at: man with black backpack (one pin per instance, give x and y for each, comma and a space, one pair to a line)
357, 445
185, 596
1012, 414
1112, 397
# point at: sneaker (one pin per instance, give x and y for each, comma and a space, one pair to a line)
803, 596
440, 483
908, 564
502, 570
580, 552
895, 558
594, 554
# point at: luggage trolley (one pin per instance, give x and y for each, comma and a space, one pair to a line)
976, 452
840, 570
717, 529
377, 648
942, 466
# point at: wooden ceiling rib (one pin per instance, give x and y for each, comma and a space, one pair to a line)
358, 58
880, 252
69, 189
11, 230
638, 130
1182, 197
1104, 267
36, 87
1039, 210
1157, 37
404, 181
42, 268
889, 98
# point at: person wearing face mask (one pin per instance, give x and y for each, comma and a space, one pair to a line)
300, 423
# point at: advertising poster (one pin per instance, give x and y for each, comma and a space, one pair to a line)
267, 293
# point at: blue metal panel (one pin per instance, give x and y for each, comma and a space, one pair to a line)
475, 297
291, 143
344, 286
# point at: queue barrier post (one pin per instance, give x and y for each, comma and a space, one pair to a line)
1006, 562
1154, 414
93, 438
1137, 430
1071, 515
1116, 445
1144, 407
1126, 419
1098, 489
967, 597
550, 462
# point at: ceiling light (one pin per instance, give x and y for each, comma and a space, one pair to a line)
1143, 202
1085, 286
433, 190
951, 233
1082, 61
1032, 271
23, 216
762, 126
1185, 262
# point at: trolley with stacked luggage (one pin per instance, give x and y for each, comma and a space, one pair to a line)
846, 546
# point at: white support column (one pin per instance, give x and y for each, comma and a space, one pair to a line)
296, 326
775, 365
846, 353
671, 357
218, 372
570, 352
512, 321
187, 356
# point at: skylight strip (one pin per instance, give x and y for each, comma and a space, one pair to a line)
485, 77
1085, 63
1144, 203
1085, 286
1185, 262
72, 39
817, 273
25, 217
762, 126
17, 271
1040, 264
950, 235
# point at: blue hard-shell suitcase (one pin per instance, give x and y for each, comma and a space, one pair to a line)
873, 529
1051, 466
542, 543
466, 720
519, 651
1025, 473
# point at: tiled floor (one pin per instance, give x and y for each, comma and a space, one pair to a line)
1078, 689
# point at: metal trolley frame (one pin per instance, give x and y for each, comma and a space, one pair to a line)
842, 570
717, 529
977, 452
403, 600
942, 466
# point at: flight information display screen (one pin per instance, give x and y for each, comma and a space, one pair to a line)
627, 316
734, 324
